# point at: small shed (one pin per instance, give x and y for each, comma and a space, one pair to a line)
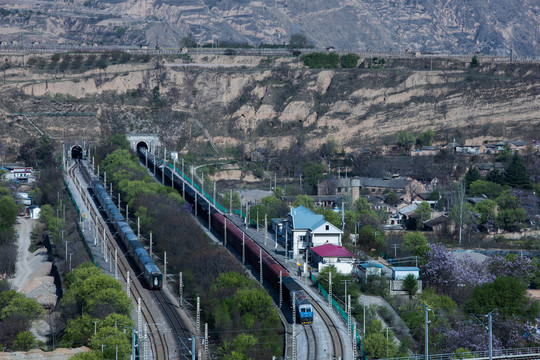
401, 272
34, 211
371, 268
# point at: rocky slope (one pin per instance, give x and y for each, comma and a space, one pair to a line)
277, 104
500, 27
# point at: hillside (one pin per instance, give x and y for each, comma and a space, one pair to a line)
270, 103
497, 27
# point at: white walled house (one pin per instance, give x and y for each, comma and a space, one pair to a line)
330, 254
305, 229
401, 272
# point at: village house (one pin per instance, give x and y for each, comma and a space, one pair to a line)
356, 186
330, 254
304, 229
19, 173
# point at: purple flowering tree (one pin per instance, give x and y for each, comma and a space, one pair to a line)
466, 334
514, 266
451, 276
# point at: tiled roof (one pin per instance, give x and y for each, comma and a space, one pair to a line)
391, 183
405, 268
331, 250
303, 218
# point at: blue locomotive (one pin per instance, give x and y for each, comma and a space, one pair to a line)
133, 246
304, 309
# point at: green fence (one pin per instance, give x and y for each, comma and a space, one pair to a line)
340, 310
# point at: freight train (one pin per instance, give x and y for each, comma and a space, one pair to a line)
134, 248
272, 270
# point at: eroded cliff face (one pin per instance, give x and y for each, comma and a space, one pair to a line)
278, 105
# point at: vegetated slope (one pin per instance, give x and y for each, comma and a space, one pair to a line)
502, 27
282, 106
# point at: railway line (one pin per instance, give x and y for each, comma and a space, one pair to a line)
154, 344
338, 348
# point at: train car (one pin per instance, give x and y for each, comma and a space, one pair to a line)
304, 309
144, 263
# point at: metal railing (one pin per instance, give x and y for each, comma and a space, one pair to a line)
478, 355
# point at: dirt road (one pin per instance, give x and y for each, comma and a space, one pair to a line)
27, 263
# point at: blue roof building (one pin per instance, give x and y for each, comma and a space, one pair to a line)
305, 229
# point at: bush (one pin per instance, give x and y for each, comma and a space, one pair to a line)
349, 60
318, 60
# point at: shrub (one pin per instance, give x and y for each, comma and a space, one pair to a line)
349, 60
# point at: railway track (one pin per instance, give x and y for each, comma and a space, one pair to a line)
338, 349
154, 341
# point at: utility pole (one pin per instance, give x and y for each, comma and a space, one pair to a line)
293, 300
345, 281
181, 288
260, 267
280, 289
330, 289
128, 285
426, 330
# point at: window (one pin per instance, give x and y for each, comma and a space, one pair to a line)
327, 227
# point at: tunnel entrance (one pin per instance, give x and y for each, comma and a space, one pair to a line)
142, 144
76, 152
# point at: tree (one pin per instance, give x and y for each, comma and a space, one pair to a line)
188, 41
298, 41
474, 61
113, 340
8, 213
239, 348
305, 201
425, 138
24, 341
416, 242
349, 60
405, 139
471, 176
392, 199
516, 174
375, 343
511, 215
508, 295
490, 189
312, 173
459, 209
424, 213
410, 284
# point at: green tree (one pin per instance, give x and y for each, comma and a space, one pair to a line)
91, 355
410, 284
312, 173
18, 304
349, 60
298, 41
392, 198
487, 210
490, 189
375, 343
239, 348
112, 339
507, 295
405, 140
24, 341
78, 331
511, 215
474, 61
416, 242
516, 174
424, 213
305, 201
471, 176
8, 213
425, 138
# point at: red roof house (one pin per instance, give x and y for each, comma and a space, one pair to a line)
330, 254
